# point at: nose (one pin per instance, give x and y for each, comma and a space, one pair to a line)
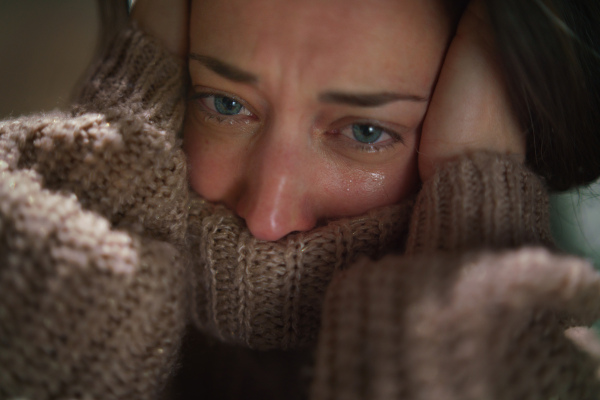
275, 199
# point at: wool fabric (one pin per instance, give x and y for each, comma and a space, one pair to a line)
106, 255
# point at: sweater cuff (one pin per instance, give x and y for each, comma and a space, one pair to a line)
136, 76
86, 311
481, 200
449, 326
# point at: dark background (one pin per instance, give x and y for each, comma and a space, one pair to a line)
45, 45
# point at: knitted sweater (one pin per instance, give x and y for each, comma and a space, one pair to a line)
106, 256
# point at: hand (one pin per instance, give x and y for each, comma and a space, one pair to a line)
470, 108
165, 20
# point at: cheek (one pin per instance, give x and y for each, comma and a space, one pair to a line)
218, 170
212, 166
355, 192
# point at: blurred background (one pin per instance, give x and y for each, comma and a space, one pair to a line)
45, 47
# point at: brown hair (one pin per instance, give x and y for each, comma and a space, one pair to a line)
549, 50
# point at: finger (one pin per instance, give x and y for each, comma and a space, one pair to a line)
470, 108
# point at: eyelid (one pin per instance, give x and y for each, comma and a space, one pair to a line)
396, 132
201, 92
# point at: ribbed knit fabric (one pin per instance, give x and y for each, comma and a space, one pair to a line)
105, 256
140, 79
124, 163
446, 321
268, 295
459, 327
482, 200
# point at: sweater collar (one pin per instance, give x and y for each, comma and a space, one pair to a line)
268, 295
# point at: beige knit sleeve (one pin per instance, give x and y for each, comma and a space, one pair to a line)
481, 200
459, 327
136, 77
90, 306
460, 316
86, 311
118, 150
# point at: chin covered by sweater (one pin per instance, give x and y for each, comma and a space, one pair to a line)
107, 256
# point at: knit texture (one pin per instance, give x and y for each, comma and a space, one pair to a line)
268, 295
105, 256
448, 321
472, 326
100, 191
93, 300
137, 78
482, 200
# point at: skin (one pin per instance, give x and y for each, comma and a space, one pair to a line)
291, 158
282, 168
470, 109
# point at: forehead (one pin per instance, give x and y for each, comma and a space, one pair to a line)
339, 38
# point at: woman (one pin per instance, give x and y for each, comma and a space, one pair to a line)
109, 254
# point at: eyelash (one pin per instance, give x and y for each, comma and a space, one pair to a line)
370, 148
394, 137
215, 116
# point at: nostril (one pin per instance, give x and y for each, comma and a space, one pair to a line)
273, 229
265, 234
275, 205
240, 208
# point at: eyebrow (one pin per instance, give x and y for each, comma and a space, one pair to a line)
236, 74
368, 99
224, 69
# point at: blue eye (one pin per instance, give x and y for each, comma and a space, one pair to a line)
367, 134
370, 136
222, 106
227, 105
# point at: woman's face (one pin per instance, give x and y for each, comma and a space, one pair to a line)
307, 110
